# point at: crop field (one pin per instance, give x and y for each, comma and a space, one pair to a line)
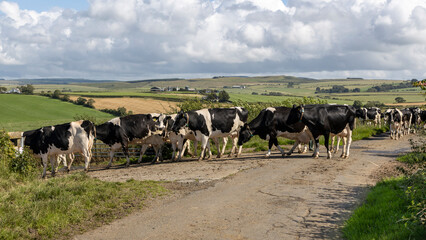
26, 112
162, 96
136, 105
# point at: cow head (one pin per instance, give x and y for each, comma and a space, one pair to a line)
245, 134
158, 119
296, 114
181, 121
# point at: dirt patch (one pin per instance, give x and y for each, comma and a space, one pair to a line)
395, 169
185, 171
136, 105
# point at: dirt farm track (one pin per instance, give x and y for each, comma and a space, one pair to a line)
253, 197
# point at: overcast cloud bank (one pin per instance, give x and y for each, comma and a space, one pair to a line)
137, 39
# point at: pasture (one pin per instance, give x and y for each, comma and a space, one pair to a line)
26, 112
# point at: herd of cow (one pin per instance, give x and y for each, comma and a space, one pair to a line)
300, 123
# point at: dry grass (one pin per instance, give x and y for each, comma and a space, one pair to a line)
136, 105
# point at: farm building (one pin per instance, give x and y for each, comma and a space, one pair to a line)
157, 89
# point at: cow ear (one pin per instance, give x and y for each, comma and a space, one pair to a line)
155, 119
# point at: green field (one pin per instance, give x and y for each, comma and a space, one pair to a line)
26, 112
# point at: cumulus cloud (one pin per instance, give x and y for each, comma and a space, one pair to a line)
134, 39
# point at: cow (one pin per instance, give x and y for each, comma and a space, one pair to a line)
374, 115
156, 141
407, 117
52, 141
344, 135
120, 132
325, 119
180, 141
270, 124
361, 113
394, 118
416, 118
210, 123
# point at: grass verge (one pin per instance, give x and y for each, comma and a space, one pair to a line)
395, 208
62, 206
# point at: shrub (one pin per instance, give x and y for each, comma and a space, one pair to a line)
23, 164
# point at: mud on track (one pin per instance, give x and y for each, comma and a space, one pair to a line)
295, 197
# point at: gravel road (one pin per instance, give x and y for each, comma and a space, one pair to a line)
251, 197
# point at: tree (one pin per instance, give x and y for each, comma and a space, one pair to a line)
3, 89
56, 94
28, 89
356, 90
400, 100
66, 98
318, 90
290, 85
90, 103
212, 97
357, 104
81, 101
223, 96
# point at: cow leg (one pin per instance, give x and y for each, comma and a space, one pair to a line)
44, 158
209, 150
71, 160
225, 141
316, 150
143, 150
327, 144
157, 150
296, 144
204, 142
338, 144
53, 161
348, 144
332, 143
174, 151
111, 156
345, 142
216, 141
124, 146
182, 147
87, 157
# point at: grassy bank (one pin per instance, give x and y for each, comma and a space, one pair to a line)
394, 208
57, 208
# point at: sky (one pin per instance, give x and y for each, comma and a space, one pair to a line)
144, 39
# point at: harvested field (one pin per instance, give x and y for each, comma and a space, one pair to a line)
136, 105
407, 104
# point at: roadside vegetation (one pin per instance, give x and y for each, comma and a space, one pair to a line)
396, 207
32, 208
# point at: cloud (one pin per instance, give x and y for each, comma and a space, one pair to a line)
134, 39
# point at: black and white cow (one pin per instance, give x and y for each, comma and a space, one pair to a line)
270, 124
374, 115
120, 132
180, 141
50, 142
211, 123
407, 117
394, 118
416, 118
361, 113
325, 119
